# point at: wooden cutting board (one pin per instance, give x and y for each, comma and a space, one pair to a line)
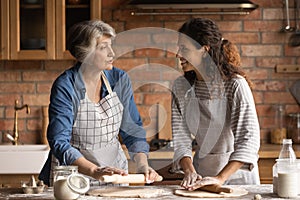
236, 192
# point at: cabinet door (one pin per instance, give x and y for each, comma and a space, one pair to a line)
67, 14
4, 29
32, 29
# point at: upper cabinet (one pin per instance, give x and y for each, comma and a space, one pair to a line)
4, 29
37, 29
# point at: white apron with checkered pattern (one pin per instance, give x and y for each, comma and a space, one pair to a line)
96, 130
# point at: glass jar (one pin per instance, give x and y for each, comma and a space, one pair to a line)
279, 131
68, 184
294, 127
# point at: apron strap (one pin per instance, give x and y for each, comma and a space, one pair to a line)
106, 82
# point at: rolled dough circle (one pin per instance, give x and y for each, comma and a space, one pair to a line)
237, 192
133, 192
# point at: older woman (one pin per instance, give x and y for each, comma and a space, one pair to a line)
213, 104
90, 104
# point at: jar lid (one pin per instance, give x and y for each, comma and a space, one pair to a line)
78, 183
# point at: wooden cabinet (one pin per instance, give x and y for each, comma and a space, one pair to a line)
4, 29
37, 28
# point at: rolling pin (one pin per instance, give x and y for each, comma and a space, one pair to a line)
130, 178
216, 189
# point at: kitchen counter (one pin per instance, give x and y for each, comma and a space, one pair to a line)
265, 151
264, 190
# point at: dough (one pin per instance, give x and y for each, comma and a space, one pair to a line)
237, 192
139, 192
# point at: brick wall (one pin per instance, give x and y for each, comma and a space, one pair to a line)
261, 43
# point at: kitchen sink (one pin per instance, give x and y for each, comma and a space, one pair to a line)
22, 159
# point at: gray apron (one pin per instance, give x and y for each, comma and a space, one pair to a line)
96, 130
209, 122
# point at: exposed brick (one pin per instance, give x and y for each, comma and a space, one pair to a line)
289, 51
151, 99
34, 125
294, 108
248, 62
138, 98
174, 25
164, 63
17, 87
230, 26
263, 26
165, 36
274, 38
58, 65
2, 112
255, 74
278, 97
261, 50
242, 37
271, 62
258, 97
171, 18
111, 3
38, 99
127, 64
44, 87
268, 3
8, 99
125, 15
272, 13
22, 65
264, 110
118, 26
40, 75
10, 76
133, 25
149, 53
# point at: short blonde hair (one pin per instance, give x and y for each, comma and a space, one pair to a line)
82, 37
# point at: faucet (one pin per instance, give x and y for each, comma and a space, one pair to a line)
15, 138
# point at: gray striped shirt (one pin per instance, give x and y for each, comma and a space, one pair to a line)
240, 135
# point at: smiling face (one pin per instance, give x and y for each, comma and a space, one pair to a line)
102, 56
189, 55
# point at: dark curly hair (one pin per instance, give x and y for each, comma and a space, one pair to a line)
206, 32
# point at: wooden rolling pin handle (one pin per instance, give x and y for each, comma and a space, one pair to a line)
216, 189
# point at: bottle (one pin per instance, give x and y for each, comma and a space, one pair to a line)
286, 171
287, 151
286, 155
279, 131
68, 183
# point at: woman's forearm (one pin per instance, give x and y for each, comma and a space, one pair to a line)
228, 170
85, 167
187, 164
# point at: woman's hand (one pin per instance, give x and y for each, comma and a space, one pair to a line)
206, 181
150, 174
190, 178
142, 167
101, 171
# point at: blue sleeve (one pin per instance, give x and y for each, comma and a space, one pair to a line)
61, 118
132, 132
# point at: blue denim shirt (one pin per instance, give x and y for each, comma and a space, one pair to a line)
67, 91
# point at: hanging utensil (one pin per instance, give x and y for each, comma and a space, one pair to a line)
295, 90
294, 40
288, 27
